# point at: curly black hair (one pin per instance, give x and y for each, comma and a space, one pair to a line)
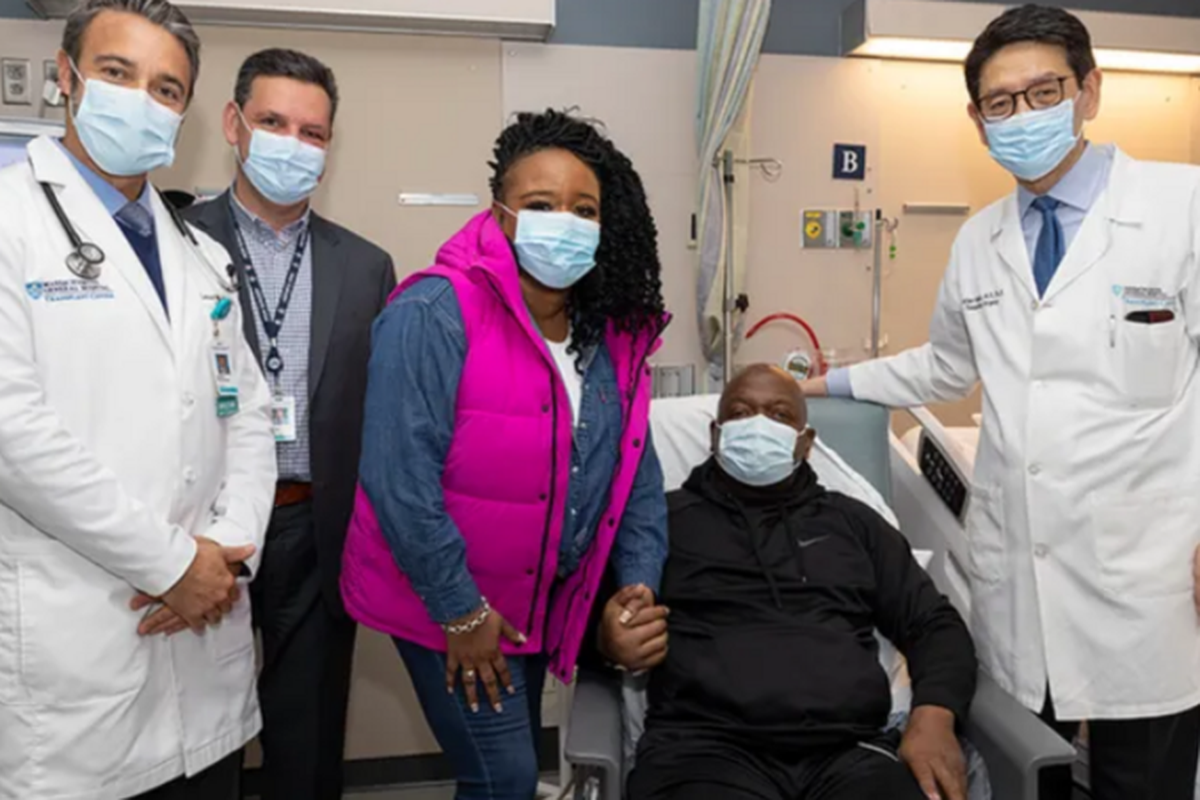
625, 287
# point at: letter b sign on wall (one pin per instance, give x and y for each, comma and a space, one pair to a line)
849, 162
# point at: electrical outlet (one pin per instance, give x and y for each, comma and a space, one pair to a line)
16, 77
51, 94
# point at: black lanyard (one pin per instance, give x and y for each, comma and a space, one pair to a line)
272, 323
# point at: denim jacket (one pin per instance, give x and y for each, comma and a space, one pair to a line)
417, 355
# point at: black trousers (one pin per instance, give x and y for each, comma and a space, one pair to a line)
307, 650
1135, 759
221, 781
687, 765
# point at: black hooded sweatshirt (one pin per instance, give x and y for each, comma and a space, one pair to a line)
774, 596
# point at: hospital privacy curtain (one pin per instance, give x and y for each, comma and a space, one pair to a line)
729, 42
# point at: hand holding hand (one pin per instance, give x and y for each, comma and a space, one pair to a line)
633, 630
208, 589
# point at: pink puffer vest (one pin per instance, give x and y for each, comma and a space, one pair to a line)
506, 473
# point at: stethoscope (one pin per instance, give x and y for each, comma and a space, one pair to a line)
85, 258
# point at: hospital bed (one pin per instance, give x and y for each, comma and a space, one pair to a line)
857, 454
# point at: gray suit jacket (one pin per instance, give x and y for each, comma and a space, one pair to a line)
352, 280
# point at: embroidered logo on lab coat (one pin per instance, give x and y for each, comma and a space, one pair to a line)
1145, 296
63, 290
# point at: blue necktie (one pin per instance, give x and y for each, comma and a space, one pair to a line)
137, 223
1051, 244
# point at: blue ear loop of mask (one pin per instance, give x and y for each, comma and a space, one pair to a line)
557, 248
758, 451
286, 170
125, 131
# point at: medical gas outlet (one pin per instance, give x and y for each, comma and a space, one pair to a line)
824, 229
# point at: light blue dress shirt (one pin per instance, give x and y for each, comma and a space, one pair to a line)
112, 200
1078, 191
272, 254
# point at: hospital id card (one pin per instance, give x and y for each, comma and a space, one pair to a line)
222, 366
283, 418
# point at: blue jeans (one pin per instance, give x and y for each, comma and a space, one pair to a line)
494, 755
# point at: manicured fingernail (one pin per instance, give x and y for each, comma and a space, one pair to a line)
511, 690
499, 709
449, 690
522, 637
474, 708
626, 615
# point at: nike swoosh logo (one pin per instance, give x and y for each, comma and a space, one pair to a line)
810, 542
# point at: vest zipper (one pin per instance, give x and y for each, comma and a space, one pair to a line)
637, 377
551, 495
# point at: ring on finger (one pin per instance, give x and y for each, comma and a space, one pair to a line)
469, 674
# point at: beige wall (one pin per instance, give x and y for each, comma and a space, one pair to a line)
1195, 105
417, 114
38, 42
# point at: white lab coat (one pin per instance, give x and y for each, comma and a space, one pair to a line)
112, 458
1085, 508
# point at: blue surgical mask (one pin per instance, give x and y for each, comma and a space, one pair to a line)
285, 169
557, 248
758, 451
1033, 144
125, 131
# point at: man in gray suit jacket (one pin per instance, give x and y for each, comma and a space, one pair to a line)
310, 290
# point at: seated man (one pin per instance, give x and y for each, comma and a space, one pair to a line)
771, 686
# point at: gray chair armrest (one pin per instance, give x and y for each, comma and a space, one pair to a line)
593, 746
1014, 743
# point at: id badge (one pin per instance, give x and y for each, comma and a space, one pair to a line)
222, 366
283, 418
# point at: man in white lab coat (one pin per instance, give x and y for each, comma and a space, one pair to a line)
136, 477
1076, 302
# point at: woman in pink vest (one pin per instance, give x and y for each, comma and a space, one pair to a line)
507, 461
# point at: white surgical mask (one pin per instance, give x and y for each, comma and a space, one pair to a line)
285, 169
557, 248
125, 131
758, 451
1033, 144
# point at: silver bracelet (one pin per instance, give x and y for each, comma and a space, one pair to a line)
472, 625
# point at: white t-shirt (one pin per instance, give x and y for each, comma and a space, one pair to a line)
571, 378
